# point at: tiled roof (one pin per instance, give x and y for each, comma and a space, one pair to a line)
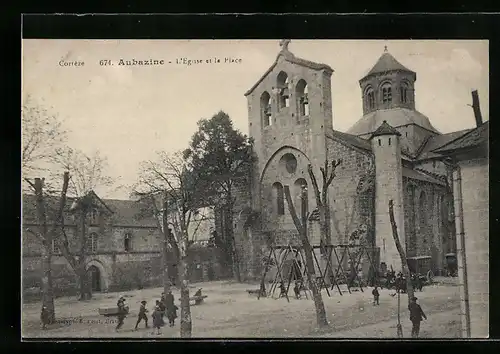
125, 212
473, 138
385, 129
51, 206
128, 212
350, 139
395, 117
436, 141
387, 63
288, 56
409, 173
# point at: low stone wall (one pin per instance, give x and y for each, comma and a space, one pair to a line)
122, 271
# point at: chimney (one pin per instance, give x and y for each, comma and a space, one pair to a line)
476, 108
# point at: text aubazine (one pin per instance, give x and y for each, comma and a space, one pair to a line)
147, 62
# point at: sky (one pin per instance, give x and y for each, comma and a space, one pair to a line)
130, 112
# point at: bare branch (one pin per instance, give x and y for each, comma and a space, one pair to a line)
30, 183
315, 186
293, 212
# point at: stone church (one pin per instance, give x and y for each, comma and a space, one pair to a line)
388, 154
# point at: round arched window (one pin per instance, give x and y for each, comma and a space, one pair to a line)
289, 162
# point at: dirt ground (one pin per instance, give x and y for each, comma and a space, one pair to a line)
229, 312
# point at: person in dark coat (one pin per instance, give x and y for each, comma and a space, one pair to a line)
376, 296
416, 315
44, 317
157, 319
122, 311
161, 306
418, 282
283, 289
297, 288
170, 308
169, 299
172, 314
142, 315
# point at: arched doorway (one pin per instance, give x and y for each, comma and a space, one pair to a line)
95, 278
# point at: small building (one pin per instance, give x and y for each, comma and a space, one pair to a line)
122, 250
469, 155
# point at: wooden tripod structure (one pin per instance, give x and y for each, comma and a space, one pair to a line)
297, 261
346, 251
339, 272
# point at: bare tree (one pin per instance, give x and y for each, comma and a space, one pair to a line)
171, 176
88, 172
85, 174
322, 201
402, 254
42, 133
47, 236
154, 204
301, 225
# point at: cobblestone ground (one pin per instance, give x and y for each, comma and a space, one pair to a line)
229, 312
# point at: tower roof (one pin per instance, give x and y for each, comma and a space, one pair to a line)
291, 58
387, 63
385, 129
395, 117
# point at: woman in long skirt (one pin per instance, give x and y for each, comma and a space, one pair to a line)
157, 319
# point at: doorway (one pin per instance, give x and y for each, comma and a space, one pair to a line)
95, 278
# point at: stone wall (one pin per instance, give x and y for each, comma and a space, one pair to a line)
426, 222
119, 271
475, 199
350, 209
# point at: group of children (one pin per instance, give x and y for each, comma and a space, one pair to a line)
164, 306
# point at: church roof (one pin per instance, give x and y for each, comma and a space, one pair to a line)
387, 63
395, 117
436, 141
385, 129
413, 174
473, 138
291, 58
350, 139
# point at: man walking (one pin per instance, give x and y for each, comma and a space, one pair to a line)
122, 311
142, 314
416, 315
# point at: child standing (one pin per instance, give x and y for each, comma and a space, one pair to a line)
157, 319
376, 295
44, 317
142, 314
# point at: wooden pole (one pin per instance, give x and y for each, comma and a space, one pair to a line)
476, 108
399, 327
404, 263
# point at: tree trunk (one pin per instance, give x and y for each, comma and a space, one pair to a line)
311, 277
85, 292
233, 252
404, 263
324, 215
186, 323
164, 259
47, 290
